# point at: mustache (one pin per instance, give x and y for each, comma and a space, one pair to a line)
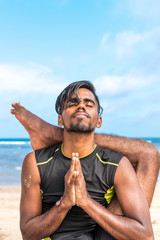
87, 115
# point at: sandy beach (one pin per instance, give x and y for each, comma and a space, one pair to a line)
9, 213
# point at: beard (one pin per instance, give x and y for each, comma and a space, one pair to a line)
80, 127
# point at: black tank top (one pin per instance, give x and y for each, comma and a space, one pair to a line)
99, 168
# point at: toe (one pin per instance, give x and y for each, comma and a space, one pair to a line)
13, 104
13, 111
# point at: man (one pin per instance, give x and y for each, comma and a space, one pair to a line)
74, 210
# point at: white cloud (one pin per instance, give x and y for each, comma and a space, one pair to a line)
115, 85
130, 45
33, 77
104, 40
58, 61
122, 45
125, 43
146, 9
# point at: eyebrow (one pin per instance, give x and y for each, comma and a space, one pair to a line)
88, 100
84, 99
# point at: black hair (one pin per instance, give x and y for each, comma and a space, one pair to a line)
72, 88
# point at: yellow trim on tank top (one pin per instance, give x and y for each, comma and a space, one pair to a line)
41, 193
110, 194
42, 163
114, 164
80, 157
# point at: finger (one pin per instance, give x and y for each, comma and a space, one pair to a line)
78, 163
72, 167
79, 175
73, 178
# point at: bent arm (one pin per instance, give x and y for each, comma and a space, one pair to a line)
136, 223
34, 224
144, 157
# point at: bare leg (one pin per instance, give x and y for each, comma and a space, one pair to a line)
40, 132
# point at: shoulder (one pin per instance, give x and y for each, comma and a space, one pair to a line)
29, 158
45, 153
125, 172
48, 149
29, 168
109, 156
108, 160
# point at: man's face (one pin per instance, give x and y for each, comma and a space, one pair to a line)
80, 114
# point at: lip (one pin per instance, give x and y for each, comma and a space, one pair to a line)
80, 115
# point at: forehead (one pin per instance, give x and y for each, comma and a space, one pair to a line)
84, 93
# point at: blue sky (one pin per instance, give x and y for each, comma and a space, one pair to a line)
47, 44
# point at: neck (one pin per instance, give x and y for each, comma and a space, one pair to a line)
82, 143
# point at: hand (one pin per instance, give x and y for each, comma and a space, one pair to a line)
68, 198
81, 193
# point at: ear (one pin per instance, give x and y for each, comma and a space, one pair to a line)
99, 122
60, 121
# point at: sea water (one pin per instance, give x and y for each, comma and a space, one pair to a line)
13, 151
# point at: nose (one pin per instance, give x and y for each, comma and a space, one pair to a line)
81, 106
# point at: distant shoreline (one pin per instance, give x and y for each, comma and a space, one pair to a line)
28, 139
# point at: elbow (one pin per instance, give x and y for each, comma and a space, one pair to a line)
147, 232
149, 150
149, 235
155, 154
158, 157
26, 234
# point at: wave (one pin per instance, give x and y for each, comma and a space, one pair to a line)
18, 168
14, 142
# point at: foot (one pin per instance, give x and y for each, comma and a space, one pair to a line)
40, 132
25, 117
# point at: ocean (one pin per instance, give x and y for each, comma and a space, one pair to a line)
13, 151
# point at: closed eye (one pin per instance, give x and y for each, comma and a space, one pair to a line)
88, 105
89, 102
72, 102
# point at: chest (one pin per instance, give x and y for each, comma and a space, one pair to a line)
94, 172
